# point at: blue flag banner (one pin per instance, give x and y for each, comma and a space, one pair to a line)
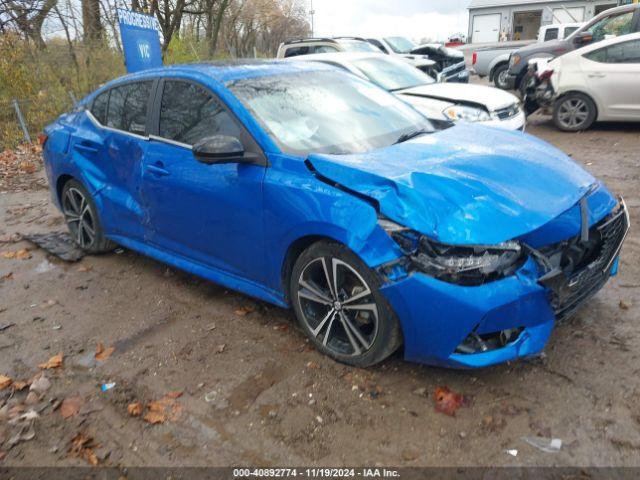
140, 40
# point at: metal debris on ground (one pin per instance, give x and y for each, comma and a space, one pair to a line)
4, 326
59, 244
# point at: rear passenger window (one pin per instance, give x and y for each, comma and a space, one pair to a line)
99, 107
189, 113
627, 52
551, 34
128, 107
295, 51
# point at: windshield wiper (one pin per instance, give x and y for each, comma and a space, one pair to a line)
409, 135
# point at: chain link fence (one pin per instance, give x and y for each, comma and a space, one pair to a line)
21, 120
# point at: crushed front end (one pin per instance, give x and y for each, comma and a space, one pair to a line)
475, 306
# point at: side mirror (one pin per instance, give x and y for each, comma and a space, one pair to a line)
583, 38
219, 149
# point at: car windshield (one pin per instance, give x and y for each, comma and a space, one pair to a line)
357, 46
614, 25
327, 112
400, 44
391, 74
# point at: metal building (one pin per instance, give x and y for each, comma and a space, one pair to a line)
501, 20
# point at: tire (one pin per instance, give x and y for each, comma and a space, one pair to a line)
574, 112
81, 216
500, 76
352, 327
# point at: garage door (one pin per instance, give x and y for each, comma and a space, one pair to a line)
486, 28
568, 15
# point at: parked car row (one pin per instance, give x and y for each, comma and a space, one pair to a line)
310, 187
440, 62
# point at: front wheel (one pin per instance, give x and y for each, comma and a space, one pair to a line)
81, 216
574, 112
336, 300
501, 76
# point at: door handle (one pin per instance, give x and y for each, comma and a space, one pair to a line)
596, 75
86, 147
157, 170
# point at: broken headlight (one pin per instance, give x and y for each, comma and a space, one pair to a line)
459, 264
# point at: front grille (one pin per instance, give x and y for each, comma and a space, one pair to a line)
508, 112
592, 265
454, 71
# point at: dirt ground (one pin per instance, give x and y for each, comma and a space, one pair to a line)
255, 393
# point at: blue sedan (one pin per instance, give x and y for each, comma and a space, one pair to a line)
309, 188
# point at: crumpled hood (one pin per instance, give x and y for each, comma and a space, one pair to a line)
468, 184
492, 98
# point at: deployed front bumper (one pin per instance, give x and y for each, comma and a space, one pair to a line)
438, 317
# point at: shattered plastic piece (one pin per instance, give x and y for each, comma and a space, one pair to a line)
246, 310
59, 244
53, 362
513, 452
548, 445
107, 386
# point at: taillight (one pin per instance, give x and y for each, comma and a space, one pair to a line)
474, 59
546, 75
42, 138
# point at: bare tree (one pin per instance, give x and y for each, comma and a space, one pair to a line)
91, 22
27, 16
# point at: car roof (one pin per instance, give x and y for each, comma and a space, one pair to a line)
224, 71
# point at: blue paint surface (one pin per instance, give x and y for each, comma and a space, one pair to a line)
236, 224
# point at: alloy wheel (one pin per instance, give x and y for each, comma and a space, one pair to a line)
573, 113
338, 306
78, 215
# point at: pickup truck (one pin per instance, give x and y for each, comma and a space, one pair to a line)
493, 61
610, 23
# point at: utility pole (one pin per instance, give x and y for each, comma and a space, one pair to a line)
312, 12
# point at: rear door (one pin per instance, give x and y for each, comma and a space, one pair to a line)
612, 75
109, 147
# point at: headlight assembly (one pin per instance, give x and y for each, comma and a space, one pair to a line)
460, 264
466, 113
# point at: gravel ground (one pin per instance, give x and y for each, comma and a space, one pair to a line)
240, 385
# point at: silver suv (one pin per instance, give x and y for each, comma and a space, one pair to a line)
307, 46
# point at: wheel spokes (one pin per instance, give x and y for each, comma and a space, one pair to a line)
328, 317
354, 333
314, 294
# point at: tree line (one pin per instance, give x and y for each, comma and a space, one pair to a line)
210, 27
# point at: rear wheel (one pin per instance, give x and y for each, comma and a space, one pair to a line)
336, 299
501, 75
574, 112
81, 216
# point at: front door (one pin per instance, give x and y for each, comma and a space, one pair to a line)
208, 214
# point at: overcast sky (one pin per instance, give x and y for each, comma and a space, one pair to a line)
436, 19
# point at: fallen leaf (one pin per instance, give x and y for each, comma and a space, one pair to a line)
18, 255
71, 406
20, 385
135, 409
246, 310
221, 348
174, 394
624, 305
8, 276
4, 382
82, 446
53, 362
155, 417
102, 353
448, 402
85, 268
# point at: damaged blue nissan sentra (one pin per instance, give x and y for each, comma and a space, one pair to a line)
309, 188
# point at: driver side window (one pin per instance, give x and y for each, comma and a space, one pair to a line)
614, 25
190, 113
